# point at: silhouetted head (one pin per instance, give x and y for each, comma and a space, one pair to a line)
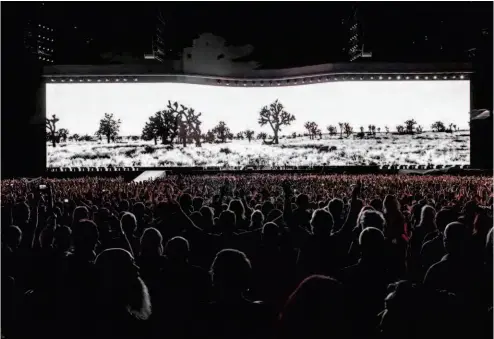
128, 223
314, 310
371, 218
21, 213
455, 238
391, 205
256, 219
185, 202
482, 223
237, 208
196, 218
227, 221
470, 210
151, 242
230, 272
80, 212
85, 235
371, 241
124, 206
302, 201
177, 250
427, 217
267, 207
63, 236
335, 207
443, 218
139, 209
270, 233
121, 287
197, 203
321, 223
12, 236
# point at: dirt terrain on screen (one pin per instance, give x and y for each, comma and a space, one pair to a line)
383, 149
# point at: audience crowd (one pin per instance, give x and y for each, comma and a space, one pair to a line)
248, 256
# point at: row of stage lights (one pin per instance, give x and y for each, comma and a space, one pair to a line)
179, 169
255, 83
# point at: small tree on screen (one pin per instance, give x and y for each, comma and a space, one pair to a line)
400, 129
63, 134
331, 130
276, 116
373, 129
262, 136
222, 132
209, 137
379, 130
370, 129
410, 125
109, 127
361, 129
312, 128
348, 129
438, 126
249, 134
419, 129
51, 129
240, 135
387, 129
150, 132
342, 125
75, 137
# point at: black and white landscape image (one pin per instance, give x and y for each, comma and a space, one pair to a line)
336, 123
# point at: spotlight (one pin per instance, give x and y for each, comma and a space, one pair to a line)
462, 77
117, 80
380, 78
407, 78
278, 83
52, 80
227, 83
426, 78
71, 80
81, 80
124, 80
372, 78
445, 77
99, 80
454, 76
89, 80
245, 84
435, 77
398, 77
417, 77
335, 79
318, 79
63, 80
389, 78
135, 79
353, 78
107, 80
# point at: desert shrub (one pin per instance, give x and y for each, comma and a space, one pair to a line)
333, 148
149, 149
130, 152
90, 156
360, 135
225, 150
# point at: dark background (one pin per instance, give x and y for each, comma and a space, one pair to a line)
284, 34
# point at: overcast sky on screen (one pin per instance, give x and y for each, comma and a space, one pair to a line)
382, 103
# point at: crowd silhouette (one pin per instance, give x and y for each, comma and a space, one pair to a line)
248, 256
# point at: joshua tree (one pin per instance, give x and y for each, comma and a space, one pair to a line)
387, 129
109, 127
209, 137
312, 128
361, 129
373, 129
400, 129
276, 116
410, 125
438, 126
342, 125
262, 136
370, 129
249, 134
379, 130
240, 135
222, 132
162, 124
63, 134
348, 129
419, 129
75, 137
294, 135
331, 130
51, 129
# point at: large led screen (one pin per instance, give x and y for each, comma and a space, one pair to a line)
334, 123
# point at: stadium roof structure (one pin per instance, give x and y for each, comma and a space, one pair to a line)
273, 77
